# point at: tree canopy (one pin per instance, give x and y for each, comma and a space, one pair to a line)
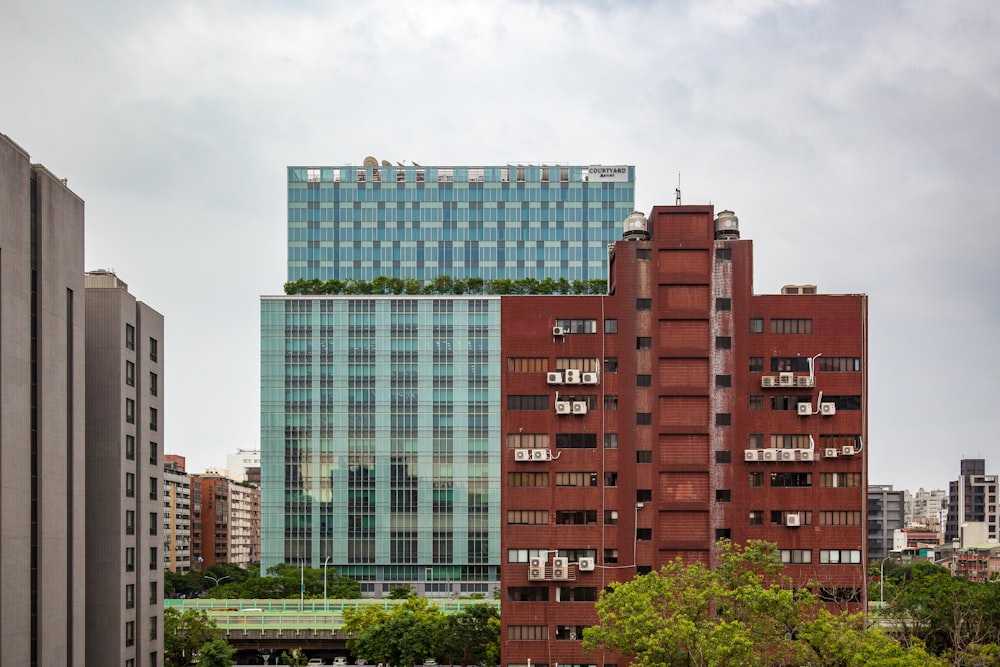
189, 634
447, 285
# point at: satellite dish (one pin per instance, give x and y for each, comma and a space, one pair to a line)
386, 163
370, 162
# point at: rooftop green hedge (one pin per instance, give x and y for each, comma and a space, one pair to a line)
447, 285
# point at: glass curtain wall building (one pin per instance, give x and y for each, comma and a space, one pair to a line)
380, 414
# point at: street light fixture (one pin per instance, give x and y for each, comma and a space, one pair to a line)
218, 580
326, 606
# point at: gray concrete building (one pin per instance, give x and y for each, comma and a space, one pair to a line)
885, 517
42, 410
973, 500
176, 518
124, 476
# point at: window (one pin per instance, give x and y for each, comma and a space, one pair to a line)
841, 480
577, 594
527, 633
154, 419
723, 381
585, 364
723, 419
129, 596
756, 325
643, 304
577, 326
841, 556
644, 456
796, 556
129, 522
129, 373
527, 517
528, 402
129, 337
154, 451
153, 349
723, 534
791, 479
154, 384
152, 523
528, 594
611, 364
780, 517
524, 555
153, 561
643, 495
723, 496
723, 304
527, 441
785, 403
154, 593
756, 364
839, 364
790, 441
576, 479
643, 254
610, 517
129, 411
643, 418
723, 456
130, 447
840, 518
844, 402
723, 342
643, 380
644, 343
756, 517
527, 364
152, 635
611, 556
528, 479
610, 326
789, 365
576, 441
610, 403
129, 633
791, 326
569, 632
756, 441
610, 479
756, 402
610, 441
130, 559
839, 441
722, 254
643, 534
129, 485
576, 517
755, 480
152, 488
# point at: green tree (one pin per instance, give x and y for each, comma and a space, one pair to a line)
294, 657
472, 636
401, 592
407, 635
185, 634
216, 653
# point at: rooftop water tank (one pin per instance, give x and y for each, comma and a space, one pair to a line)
636, 227
727, 226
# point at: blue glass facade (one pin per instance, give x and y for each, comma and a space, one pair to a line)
485, 222
380, 415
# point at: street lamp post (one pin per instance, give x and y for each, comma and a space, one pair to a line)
216, 580
881, 581
326, 606
302, 584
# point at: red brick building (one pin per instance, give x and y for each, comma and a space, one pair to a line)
680, 409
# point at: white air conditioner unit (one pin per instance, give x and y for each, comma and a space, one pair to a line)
558, 331
805, 409
806, 455
579, 407
554, 378
786, 379
831, 452
805, 381
536, 569
828, 409
770, 454
589, 378
563, 408
560, 569
522, 454
752, 454
848, 450
572, 376
787, 454
793, 520
586, 564
768, 381
539, 455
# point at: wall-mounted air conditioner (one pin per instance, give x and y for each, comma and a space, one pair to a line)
586, 564
828, 409
558, 331
806, 455
770, 454
787, 454
560, 569
805, 381
805, 409
522, 454
563, 408
554, 378
753, 455
536, 569
831, 452
848, 450
579, 407
589, 378
539, 455
793, 520
768, 381
572, 376
786, 379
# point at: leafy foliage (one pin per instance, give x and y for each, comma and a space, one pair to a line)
447, 285
216, 653
285, 581
294, 657
187, 634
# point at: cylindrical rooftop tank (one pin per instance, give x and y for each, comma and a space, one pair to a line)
636, 227
727, 226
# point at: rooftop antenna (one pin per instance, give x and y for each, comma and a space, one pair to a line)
677, 190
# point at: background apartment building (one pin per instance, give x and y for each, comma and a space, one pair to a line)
972, 505
42, 416
678, 410
225, 521
886, 508
176, 515
125, 432
380, 412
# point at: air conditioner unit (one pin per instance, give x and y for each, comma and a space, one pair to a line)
536, 569
752, 454
806, 455
539, 455
793, 520
831, 452
558, 331
770, 454
554, 378
572, 376
522, 454
805, 381
848, 450
805, 409
579, 407
560, 569
536, 561
589, 378
768, 381
787, 454
786, 379
828, 409
586, 564
563, 408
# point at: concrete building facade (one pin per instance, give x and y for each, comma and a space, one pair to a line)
680, 409
886, 508
125, 438
176, 518
972, 503
42, 416
225, 521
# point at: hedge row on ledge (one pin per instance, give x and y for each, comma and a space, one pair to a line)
447, 285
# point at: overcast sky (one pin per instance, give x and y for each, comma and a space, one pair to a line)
856, 140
